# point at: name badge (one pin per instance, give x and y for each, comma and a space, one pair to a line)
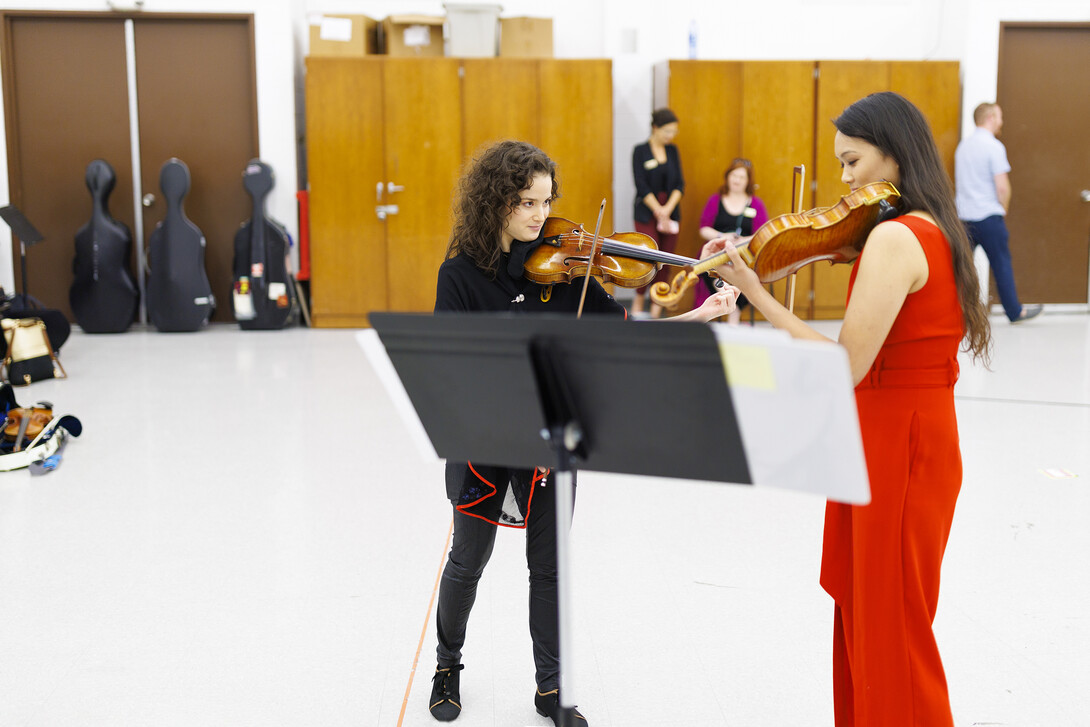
750, 212
651, 163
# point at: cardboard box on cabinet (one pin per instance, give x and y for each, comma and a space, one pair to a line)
343, 36
413, 36
526, 37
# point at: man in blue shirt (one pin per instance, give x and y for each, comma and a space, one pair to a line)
983, 197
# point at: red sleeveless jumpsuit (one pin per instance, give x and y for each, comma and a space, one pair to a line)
881, 561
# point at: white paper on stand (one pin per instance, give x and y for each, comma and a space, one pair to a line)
795, 405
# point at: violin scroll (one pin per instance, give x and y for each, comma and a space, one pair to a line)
668, 295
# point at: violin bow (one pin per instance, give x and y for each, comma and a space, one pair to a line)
798, 176
590, 260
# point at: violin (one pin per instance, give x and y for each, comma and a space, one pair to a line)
26, 423
786, 244
627, 259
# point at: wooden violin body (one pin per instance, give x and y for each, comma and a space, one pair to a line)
788, 243
23, 424
564, 256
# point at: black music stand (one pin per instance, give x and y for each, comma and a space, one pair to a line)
530, 391
27, 234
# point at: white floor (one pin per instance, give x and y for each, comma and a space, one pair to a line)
244, 535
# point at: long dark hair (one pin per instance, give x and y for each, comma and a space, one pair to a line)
896, 127
487, 192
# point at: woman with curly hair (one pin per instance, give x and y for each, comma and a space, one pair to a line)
913, 299
503, 200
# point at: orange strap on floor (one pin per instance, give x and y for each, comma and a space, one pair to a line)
427, 620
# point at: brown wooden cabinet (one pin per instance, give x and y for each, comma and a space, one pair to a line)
779, 114
386, 142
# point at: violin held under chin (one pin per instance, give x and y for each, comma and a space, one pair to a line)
788, 243
626, 259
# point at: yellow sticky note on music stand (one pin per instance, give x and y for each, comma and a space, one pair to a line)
748, 366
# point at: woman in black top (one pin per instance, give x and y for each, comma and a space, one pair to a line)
503, 201
656, 170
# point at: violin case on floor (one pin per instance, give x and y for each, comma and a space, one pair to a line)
40, 453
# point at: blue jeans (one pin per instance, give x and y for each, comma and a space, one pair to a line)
991, 234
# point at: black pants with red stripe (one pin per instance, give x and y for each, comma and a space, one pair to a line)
469, 553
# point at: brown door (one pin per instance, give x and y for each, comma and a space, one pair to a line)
709, 135
575, 106
381, 133
1044, 91
196, 90
933, 86
841, 83
488, 116
347, 173
763, 111
423, 157
67, 104
560, 106
778, 135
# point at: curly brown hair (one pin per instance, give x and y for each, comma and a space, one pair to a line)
896, 127
487, 193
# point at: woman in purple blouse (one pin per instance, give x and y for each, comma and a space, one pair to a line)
734, 212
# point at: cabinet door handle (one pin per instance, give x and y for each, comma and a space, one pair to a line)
391, 188
378, 192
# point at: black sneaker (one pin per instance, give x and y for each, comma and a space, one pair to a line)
548, 705
446, 701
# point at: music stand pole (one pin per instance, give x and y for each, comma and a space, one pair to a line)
565, 437
564, 482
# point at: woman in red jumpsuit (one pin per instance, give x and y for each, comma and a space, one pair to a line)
912, 300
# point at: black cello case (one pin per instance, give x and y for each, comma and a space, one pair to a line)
263, 296
103, 296
179, 294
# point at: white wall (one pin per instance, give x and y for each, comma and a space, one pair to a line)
635, 34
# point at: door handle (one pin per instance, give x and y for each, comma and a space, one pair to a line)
391, 188
148, 199
1085, 194
385, 209
378, 192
